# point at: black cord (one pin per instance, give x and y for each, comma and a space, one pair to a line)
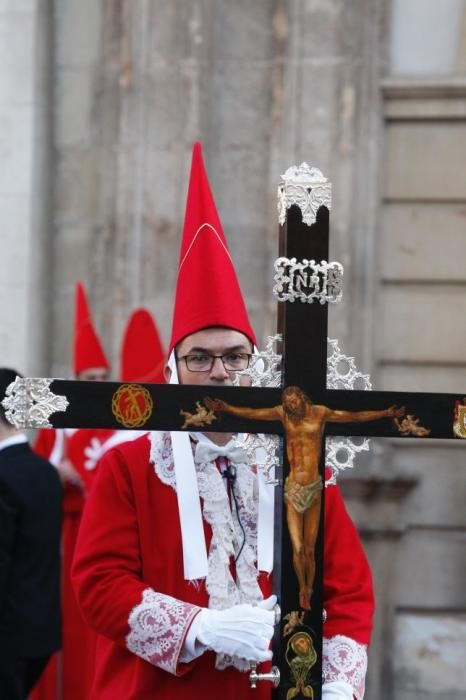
230, 476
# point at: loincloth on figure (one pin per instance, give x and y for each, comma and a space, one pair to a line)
301, 496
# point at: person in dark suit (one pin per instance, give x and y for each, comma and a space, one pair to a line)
30, 523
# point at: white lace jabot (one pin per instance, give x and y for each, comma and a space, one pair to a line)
234, 529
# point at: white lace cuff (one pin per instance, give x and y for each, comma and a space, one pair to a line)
158, 628
343, 659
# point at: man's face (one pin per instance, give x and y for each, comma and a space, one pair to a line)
210, 341
93, 374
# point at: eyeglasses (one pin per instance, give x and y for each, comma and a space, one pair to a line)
203, 362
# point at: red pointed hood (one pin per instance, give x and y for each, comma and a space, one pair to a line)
88, 352
142, 354
207, 291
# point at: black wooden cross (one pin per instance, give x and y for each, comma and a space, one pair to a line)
302, 273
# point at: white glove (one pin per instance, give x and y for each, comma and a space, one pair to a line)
337, 690
242, 630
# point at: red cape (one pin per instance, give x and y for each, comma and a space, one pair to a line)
129, 547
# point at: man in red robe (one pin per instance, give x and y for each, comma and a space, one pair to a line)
75, 454
69, 673
172, 565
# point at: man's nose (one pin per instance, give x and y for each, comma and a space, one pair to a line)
218, 370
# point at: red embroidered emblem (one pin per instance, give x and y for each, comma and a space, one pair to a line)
132, 405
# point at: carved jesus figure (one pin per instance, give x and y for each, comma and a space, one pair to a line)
304, 424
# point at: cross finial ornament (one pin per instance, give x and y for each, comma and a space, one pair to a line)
306, 188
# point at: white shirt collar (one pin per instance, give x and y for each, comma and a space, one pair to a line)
17, 439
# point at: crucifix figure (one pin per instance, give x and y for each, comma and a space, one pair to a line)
304, 424
175, 552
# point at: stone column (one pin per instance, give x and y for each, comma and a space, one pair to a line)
263, 85
376, 504
81, 171
25, 138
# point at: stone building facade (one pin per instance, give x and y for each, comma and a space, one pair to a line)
100, 102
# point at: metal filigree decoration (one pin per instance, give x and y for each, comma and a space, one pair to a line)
263, 451
265, 370
308, 281
307, 188
342, 373
29, 403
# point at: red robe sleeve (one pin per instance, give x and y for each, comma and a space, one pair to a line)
44, 442
107, 575
348, 591
85, 449
348, 597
